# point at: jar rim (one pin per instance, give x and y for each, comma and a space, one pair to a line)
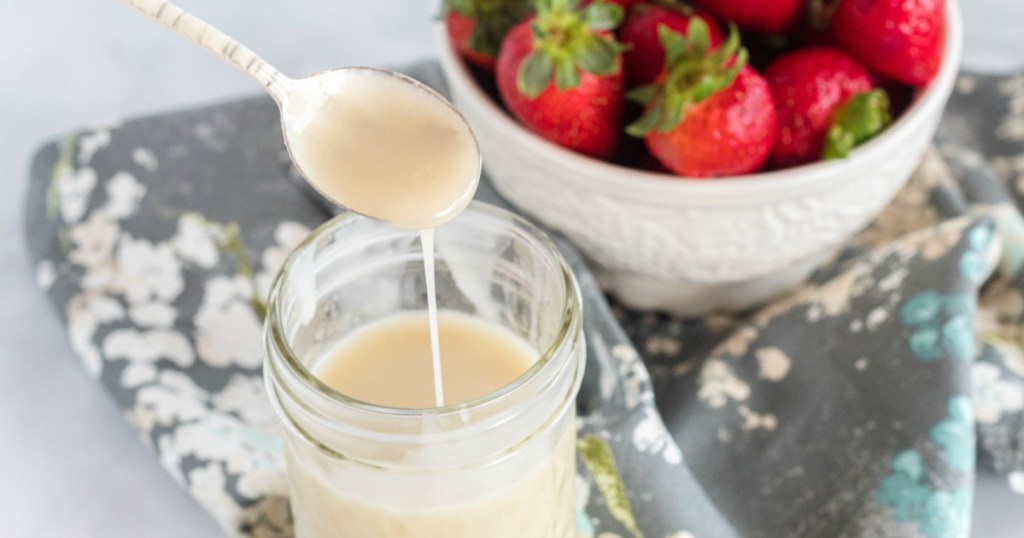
570, 322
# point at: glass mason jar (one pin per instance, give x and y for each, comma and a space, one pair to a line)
501, 465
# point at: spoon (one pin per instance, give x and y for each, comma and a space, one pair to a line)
375, 141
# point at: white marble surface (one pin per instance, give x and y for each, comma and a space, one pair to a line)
69, 465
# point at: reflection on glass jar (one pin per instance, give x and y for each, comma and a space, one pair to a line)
500, 465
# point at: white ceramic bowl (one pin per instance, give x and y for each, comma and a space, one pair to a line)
693, 246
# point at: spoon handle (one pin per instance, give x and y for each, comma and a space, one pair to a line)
220, 44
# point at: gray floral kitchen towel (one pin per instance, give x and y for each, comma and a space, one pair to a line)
860, 405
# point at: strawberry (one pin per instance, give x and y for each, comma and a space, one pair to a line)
560, 74
901, 39
774, 16
476, 27
645, 57
709, 114
827, 104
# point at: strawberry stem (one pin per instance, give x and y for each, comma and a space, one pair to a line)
856, 122
493, 19
694, 72
568, 39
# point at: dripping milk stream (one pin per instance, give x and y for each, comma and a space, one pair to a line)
427, 242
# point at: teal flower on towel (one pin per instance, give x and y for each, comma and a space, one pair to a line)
958, 338
955, 435
941, 325
910, 463
961, 303
903, 489
921, 309
979, 237
925, 343
913, 496
972, 265
947, 514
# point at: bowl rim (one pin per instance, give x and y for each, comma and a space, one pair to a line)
653, 186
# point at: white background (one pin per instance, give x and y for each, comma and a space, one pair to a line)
69, 465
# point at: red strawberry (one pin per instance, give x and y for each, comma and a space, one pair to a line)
823, 97
476, 27
774, 16
901, 39
560, 74
710, 114
645, 57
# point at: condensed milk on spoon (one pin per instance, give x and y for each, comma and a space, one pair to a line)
382, 145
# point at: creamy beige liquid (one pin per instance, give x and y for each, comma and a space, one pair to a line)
381, 146
389, 362
528, 493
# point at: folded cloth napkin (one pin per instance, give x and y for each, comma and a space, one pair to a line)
852, 407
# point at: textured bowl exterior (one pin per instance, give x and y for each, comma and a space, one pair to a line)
692, 246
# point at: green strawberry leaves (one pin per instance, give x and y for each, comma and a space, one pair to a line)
535, 73
493, 19
693, 73
568, 40
466, 8
566, 75
602, 16
544, 6
856, 122
599, 56
695, 43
